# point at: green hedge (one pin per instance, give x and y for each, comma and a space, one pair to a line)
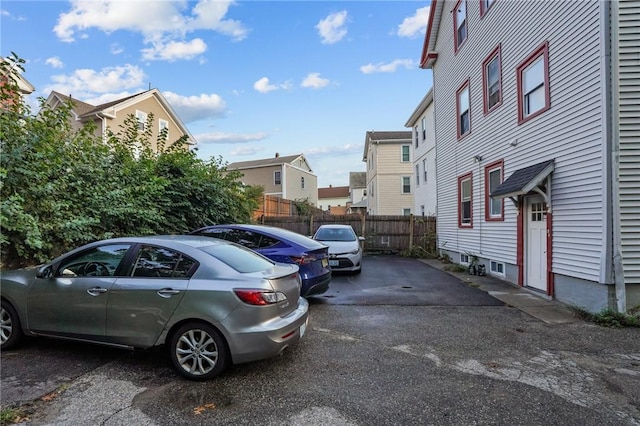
60, 188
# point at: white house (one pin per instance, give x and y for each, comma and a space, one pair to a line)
536, 108
424, 157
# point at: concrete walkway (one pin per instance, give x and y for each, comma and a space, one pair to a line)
528, 301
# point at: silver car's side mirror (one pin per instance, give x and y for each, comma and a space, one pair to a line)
45, 271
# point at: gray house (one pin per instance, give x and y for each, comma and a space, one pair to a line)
538, 143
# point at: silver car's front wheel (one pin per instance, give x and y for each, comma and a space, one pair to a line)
10, 330
198, 351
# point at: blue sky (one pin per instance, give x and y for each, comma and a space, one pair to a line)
248, 78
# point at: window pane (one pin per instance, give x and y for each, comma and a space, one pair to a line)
466, 212
464, 123
533, 75
99, 261
406, 184
157, 262
463, 100
405, 153
417, 175
534, 101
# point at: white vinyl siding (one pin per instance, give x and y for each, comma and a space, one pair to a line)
570, 131
628, 67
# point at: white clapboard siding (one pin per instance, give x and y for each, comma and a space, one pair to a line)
570, 131
629, 125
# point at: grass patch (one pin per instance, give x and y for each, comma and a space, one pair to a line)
454, 267
609, 318
9, 416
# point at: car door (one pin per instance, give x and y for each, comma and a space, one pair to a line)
73, 301
141, 303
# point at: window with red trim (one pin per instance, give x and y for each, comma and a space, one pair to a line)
463, 110
533, 84
492, 80
460, 24
493, 177
465, 201
485, 5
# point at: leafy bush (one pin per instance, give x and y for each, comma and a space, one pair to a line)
61, 187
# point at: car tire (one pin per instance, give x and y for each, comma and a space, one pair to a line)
10, 328
198, 351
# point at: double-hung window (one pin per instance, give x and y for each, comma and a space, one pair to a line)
465, 208
415, 135
533, 84
460, 24
277, 177
406, 184
424, 128
485, 5
302, 182
463, 110
493, 175
142, 120
492, 81
163, 126
406, 157
424, 169
417, 174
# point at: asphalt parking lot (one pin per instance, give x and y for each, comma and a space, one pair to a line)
400, 343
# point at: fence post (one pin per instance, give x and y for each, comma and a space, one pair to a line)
364, 231
410, 232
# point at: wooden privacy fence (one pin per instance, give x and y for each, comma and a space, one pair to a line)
381, 233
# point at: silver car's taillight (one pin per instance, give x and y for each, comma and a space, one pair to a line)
260, 297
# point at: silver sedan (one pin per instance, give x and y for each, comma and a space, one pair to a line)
210, 302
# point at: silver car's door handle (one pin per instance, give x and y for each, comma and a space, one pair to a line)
167, 292
96, 291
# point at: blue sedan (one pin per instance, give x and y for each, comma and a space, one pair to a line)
281, 245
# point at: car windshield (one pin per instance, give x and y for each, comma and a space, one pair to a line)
335, 234
239, 258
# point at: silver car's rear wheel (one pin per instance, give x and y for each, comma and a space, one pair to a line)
198, 351
10, 330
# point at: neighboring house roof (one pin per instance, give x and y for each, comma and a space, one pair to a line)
24, 85
385, 137
84, 110
420, 109
524, 180
333, 192
266, 162
359, 204
357, 179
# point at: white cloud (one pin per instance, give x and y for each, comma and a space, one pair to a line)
83, 83
415, 25
195, 108
389, 67
54, 61
174, 50
230, 138
116, 49
246, 150
264, 85
314, 81
332, 29
161, 23
347, 149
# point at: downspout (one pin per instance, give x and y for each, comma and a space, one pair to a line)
613, 144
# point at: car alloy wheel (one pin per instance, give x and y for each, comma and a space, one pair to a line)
198, 351
10, 331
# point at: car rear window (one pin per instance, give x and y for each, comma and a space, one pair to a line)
239, 258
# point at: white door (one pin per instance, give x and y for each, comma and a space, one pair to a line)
536, 244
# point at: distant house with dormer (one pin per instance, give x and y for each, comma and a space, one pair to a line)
289, 177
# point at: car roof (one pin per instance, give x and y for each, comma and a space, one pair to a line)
195, 241
273, 231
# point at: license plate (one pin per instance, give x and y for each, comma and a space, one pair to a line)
324, 263
333, 263
303, 329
